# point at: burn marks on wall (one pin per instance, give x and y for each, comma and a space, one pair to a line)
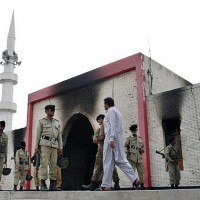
170, 104
169, 108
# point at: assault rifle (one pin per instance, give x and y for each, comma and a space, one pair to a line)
162, 154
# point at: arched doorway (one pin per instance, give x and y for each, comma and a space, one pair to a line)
80, 150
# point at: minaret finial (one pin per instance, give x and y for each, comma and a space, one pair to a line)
11, 35
9, 55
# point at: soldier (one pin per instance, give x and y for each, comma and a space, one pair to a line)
36, 164
3, 147
22, 166
171, 156
49, 138
134, 150
98, 167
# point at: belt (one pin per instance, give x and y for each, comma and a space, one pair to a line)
48, 138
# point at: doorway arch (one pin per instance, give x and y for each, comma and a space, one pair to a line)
80, 150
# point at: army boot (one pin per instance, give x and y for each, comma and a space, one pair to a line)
142, 186
43, 186
15, 188
98, 186
92, 186
21, 188
172, 186
37, 188
176, 186
116, 186
52, 186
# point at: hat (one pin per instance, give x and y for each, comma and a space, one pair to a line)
2, 123
133, 127
47, 107
23, 144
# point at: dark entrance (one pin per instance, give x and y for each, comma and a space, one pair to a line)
172, 129
81, 152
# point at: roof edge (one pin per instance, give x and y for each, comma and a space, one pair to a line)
106, 71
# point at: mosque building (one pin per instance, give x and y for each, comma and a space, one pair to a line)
135, 83
145, 92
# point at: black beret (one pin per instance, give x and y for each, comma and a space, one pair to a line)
2, 123
133, 127
47, 107
23, 144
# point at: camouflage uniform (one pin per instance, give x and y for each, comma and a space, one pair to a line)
134, 149
3, 151
171, 155
22, 166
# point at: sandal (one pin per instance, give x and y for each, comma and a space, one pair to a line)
104, 189
136, 183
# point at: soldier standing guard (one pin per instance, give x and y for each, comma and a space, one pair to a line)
171, 156
22, 166
3, 147
49, 138
134, 149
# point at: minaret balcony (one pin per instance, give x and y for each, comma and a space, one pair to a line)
8, 106
8, 77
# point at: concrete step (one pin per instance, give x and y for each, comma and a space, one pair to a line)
180, 194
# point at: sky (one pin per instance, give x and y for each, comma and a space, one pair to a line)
59, 39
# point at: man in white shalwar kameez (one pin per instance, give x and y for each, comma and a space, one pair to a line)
113, 149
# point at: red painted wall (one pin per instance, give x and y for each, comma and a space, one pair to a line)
143, 124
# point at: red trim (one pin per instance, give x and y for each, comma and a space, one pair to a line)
143, 123
29, 135
106, 71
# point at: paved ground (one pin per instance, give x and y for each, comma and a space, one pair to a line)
167, 194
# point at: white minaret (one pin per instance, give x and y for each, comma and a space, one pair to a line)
8, 78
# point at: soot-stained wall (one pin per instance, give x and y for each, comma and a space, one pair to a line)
125, 80
184, 104
88, 100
